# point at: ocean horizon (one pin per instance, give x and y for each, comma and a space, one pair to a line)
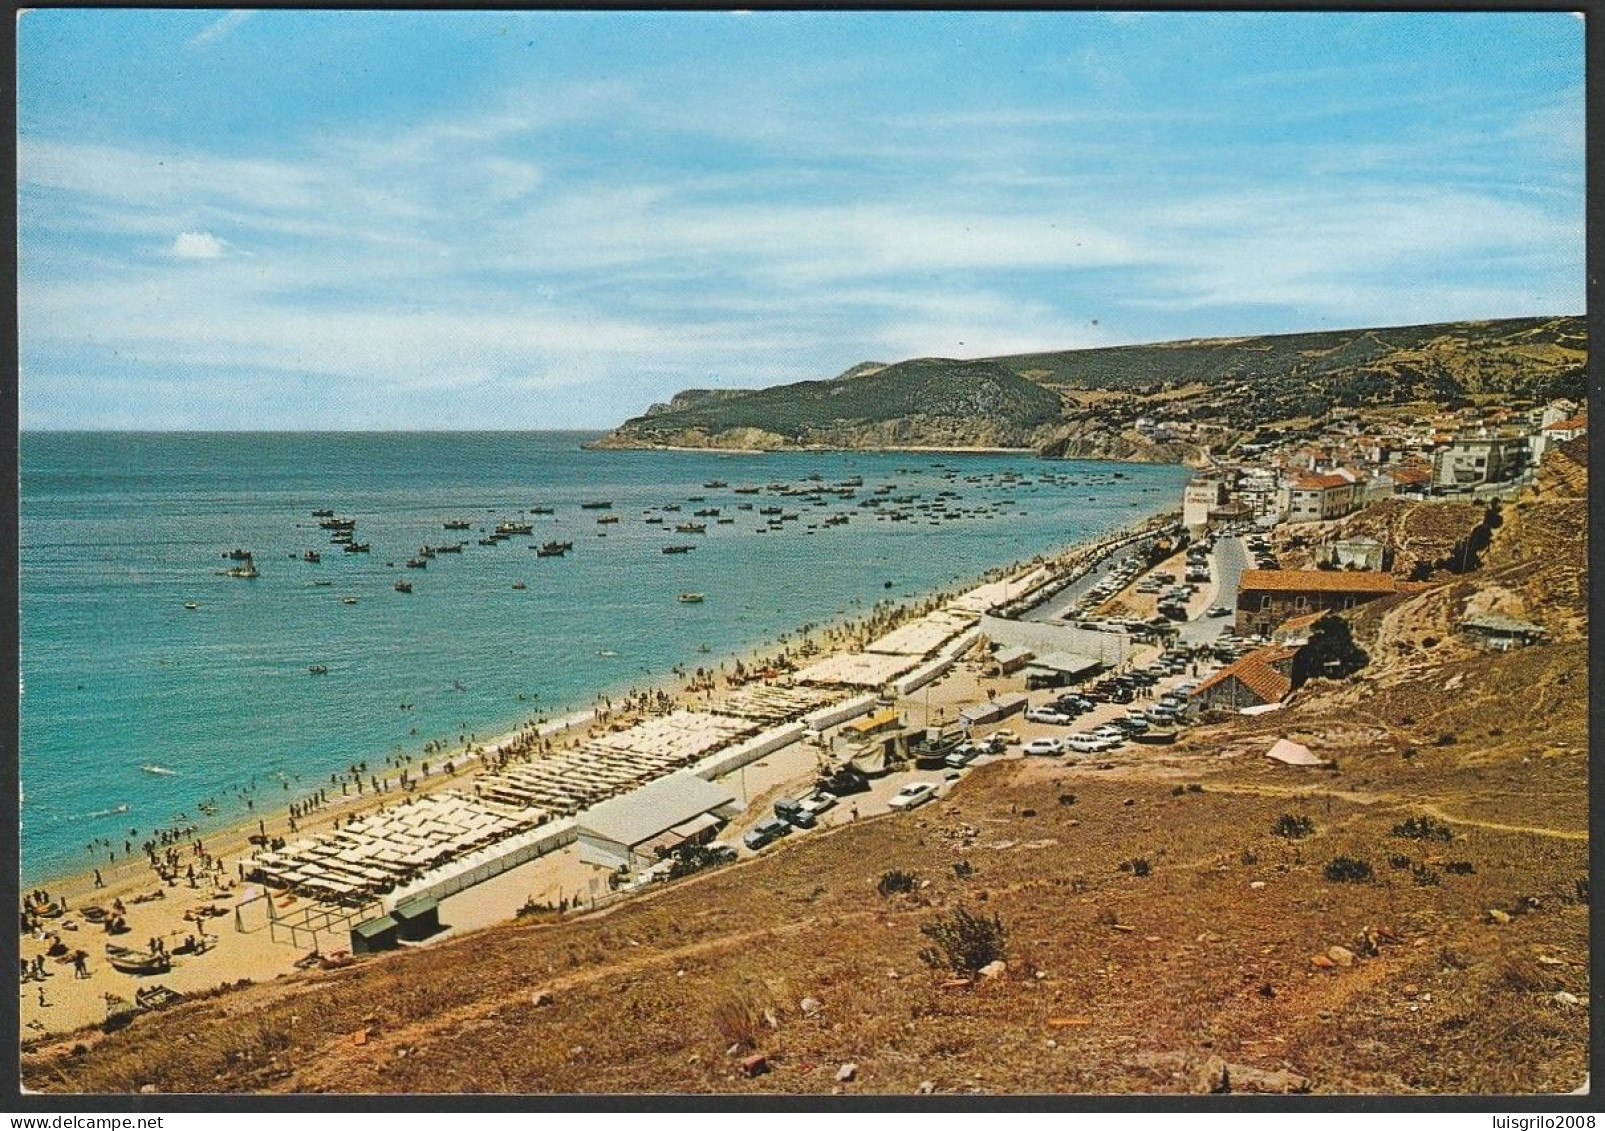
137, 710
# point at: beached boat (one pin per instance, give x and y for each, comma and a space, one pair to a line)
136, 962
1156, 736
403, 587
691, 598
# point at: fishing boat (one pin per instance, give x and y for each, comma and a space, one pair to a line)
403, 587
357, 548
708, 512
505, 528
492, 541
312, 556
716, 483
246, 569
691, 528
324, 512
549, 552
417, 563
238, 555
136, 962
607, 520
318, 669
678, 549
456, 524
691, 598
348, 600
542, 510
332, 523
519, 585
451, 548
557, 547
597, 505
191, 606
322, 584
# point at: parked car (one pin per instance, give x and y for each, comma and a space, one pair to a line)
1005, 735
818, 801
766, 831
1132, 724
1219, 611
1083, 743
1048, 715
913, 795
960, 757
1045, 746
793, 813
721, 851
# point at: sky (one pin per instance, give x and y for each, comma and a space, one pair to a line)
372, 220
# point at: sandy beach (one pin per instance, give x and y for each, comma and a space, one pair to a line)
63, 1002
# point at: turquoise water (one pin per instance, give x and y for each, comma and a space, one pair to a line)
120, 530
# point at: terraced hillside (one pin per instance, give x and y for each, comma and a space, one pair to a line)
1083, 402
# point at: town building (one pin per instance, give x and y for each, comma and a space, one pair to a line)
1468, 461
1315, 498
1201, 496
1267, 597
1262, 677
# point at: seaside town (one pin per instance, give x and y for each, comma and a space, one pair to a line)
1106, 653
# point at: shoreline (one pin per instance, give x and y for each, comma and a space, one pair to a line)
256, 956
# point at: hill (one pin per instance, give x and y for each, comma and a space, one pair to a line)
1084, 402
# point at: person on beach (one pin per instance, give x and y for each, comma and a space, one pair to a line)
99, 883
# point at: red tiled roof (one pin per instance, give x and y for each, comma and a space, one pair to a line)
1411, 475
1318, 581
1320, 482
1568, 425
1255, 672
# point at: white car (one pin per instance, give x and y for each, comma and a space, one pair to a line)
1048, 715
912, 795
1083, 743
1044, 746
817, 802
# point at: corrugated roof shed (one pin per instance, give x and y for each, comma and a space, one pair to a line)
654, 808
1066, 662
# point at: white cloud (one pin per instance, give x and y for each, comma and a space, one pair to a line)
197, 245
220, 28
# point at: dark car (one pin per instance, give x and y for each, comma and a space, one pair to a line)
766, 832
793, 813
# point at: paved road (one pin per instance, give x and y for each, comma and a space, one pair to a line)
1228, 561
1059, 604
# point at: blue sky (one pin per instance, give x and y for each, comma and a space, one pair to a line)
535, 220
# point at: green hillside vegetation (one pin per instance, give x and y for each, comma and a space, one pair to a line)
1092, 396
933, 388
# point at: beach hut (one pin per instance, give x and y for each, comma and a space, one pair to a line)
615, 834
374, 935
417, 918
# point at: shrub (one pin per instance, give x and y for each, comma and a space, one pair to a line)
1178, 791
1194, 787
1445, 739
964, 942
1398, 862
1067, 799
737, 1018
964, 869
1330, 654
1137, 867
1423, 828
1347, 870
1425, 876
1293, 828
1460, 867
895, 882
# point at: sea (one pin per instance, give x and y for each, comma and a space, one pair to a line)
140, 711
